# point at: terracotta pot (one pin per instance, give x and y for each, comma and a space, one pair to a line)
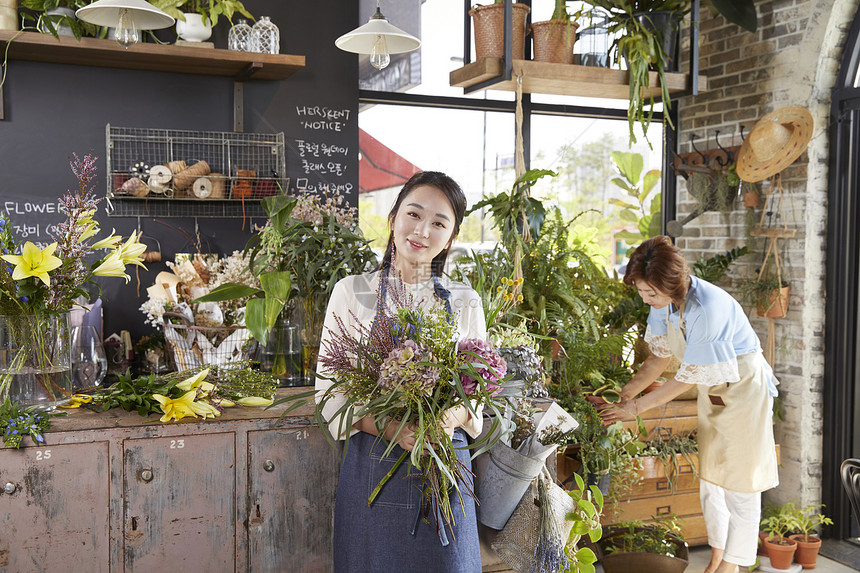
807, 551
553, 41
488, 22
776, 305
781, 556
751, 199
654, 385
762, 550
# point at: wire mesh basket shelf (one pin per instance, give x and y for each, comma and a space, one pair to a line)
191, 346
183, 173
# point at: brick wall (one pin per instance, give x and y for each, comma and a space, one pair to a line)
792, 59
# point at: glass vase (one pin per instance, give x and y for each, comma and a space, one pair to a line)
265, 37
239, 37
89, 361
282, 354
311, 319
35, 359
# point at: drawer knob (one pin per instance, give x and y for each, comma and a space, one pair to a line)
146, 475
269, 466
10, 488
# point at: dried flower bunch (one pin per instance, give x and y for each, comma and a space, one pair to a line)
49, 279
408, 366
193, 278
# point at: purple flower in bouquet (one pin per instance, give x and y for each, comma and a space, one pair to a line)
487, 362
406, 365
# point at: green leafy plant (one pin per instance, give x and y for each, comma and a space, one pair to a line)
662, 537
36, 12
758, 292
779, 523
642, 209
712, 269
671, 452
588, 506
211, 10
808, 520
641, 46
307, 246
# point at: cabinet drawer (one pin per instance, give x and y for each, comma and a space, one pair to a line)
58, 514
644, 508
180, 503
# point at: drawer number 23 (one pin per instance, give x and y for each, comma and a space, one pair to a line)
177, 444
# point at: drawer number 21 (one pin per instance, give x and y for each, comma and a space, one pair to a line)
177, 444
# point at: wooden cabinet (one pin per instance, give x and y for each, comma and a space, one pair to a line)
115, 492
54, 508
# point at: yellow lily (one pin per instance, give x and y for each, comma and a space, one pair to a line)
205, 409
130, 252
90, 227
194, 381
177, 408
111, 242
33, 262
112, 266
255, 401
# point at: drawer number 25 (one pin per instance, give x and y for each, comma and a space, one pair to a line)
43, 455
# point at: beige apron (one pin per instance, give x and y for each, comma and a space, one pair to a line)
736, 446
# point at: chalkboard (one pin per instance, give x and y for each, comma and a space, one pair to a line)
53, 110
326, 162
31, 219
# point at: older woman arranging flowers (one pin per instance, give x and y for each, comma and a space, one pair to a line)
705, 328
398, 387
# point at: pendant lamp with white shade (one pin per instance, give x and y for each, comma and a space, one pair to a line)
127, 16
379, 39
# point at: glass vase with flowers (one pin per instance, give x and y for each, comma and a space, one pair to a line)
39, 286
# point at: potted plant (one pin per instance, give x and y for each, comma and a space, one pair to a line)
768, 294
57, 17
780, 549
553, 38
635, 546
195, 18
488, 23
806, 521
647, 32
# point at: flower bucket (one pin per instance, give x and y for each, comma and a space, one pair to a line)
35, 359
553, 41
488, 22
666, 24
623, 562
503, 477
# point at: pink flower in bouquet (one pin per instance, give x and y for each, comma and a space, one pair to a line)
486, 360
402, 368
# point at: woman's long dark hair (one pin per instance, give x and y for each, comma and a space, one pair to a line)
458, 203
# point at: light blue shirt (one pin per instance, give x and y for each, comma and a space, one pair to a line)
717, 328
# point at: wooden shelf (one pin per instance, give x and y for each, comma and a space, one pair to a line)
565, 79
36, 47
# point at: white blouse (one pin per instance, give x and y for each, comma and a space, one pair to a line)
354, 298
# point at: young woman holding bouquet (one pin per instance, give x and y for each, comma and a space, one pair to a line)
401, 531
708, 331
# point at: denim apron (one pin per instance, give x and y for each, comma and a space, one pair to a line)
401, 532
735, 423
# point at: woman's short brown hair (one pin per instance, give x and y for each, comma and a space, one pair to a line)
660, 264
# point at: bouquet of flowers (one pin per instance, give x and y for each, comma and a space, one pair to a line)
40, 284
409, 367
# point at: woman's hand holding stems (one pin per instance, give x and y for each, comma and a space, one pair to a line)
405, 437
629, 407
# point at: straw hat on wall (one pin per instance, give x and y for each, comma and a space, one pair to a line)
774, 143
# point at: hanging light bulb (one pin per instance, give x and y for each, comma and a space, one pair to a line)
128, 17
126, 32
379, 57
379, 39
